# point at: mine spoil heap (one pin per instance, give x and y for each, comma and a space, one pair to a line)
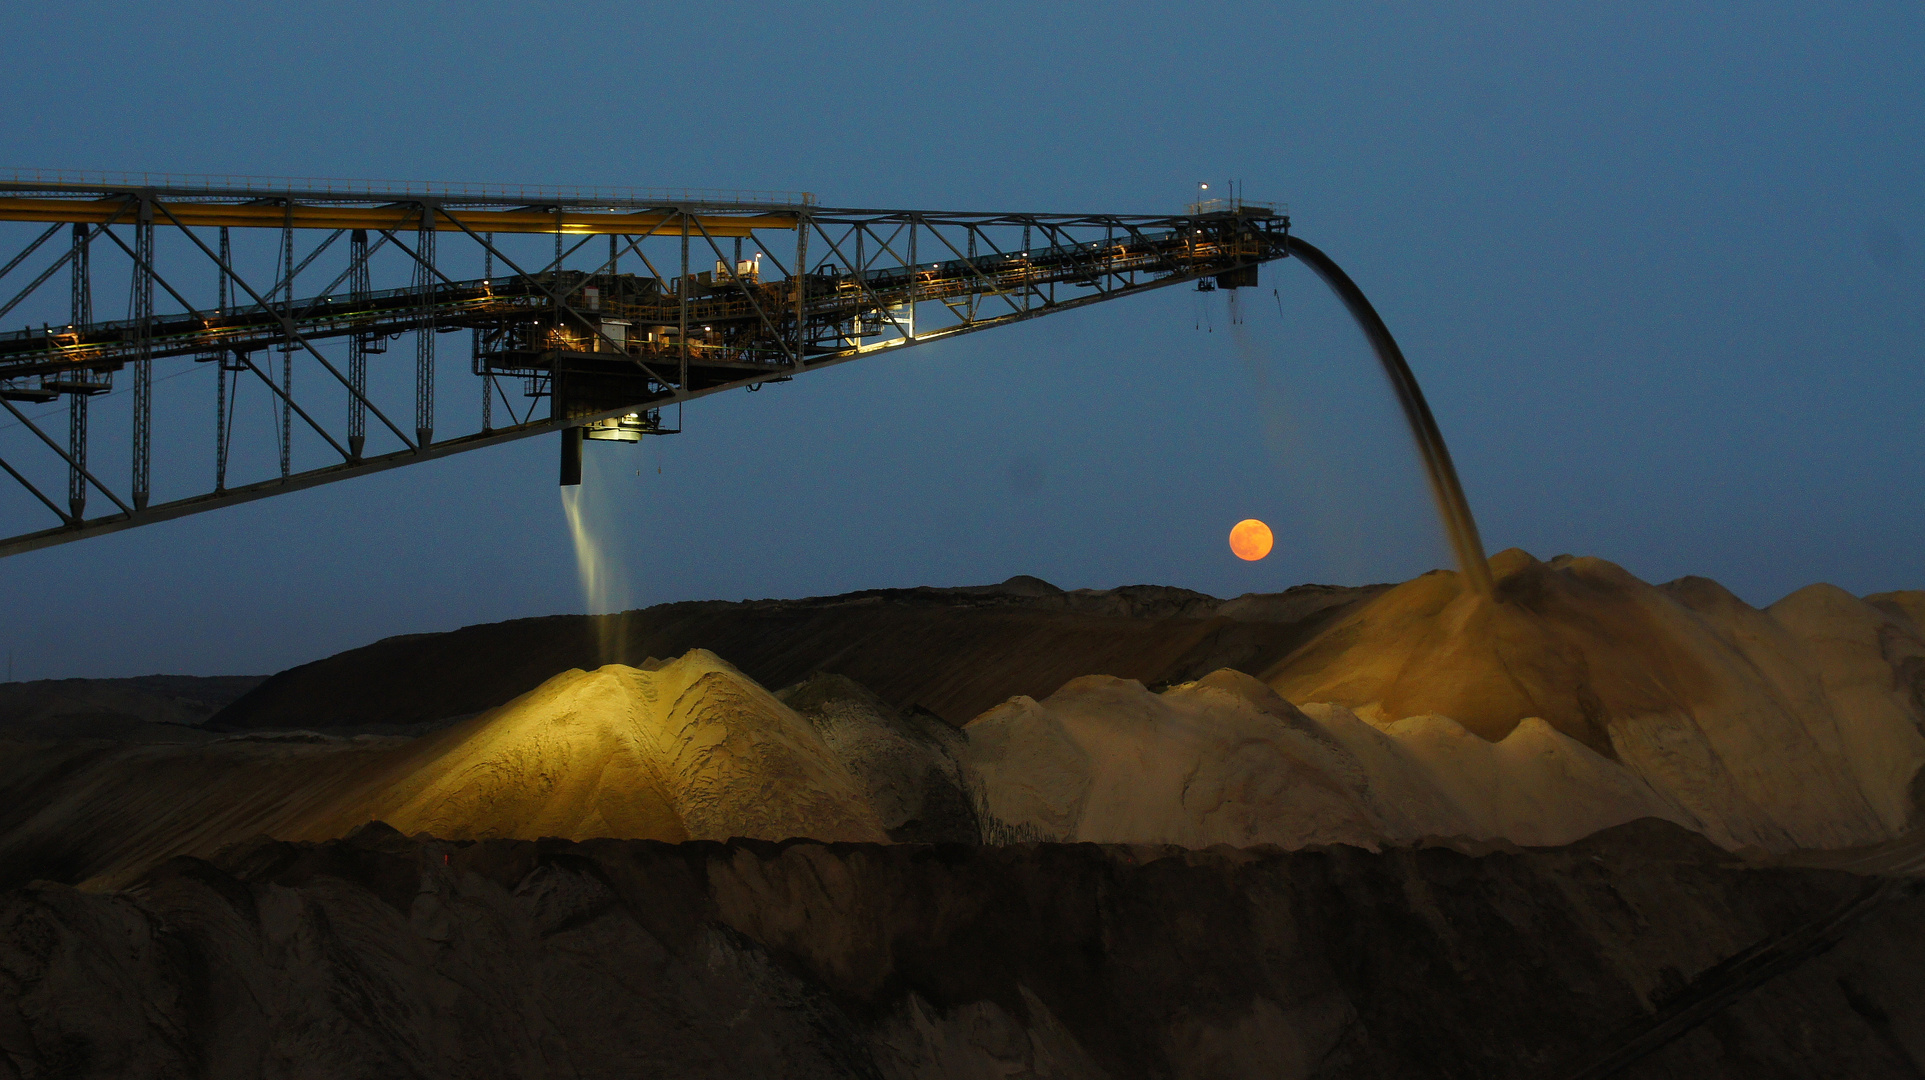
1579, 826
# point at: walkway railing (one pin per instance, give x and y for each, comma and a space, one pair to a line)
386, 190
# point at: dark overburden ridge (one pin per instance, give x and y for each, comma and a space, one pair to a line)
954, 652
710, 960
115, 707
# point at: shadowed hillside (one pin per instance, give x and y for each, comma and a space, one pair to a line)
954, 652
145, 705
383, 956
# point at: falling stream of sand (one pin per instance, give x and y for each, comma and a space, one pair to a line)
604, 580
1454, 510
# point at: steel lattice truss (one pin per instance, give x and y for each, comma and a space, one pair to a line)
586, 311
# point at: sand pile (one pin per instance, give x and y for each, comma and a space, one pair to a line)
1578, 698
1581, 699
692, 749
1227, 761
689, 749
1795, 726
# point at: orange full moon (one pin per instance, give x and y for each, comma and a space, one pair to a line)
1251, 540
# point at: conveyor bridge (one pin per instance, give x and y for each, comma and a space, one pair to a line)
587, 311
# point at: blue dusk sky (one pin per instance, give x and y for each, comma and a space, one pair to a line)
1659, 267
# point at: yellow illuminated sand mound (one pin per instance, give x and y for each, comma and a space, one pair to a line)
691, 750
1795, 726
1226, 761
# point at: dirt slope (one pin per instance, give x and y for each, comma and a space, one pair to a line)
380, 956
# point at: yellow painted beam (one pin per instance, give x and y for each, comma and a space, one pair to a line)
304, 216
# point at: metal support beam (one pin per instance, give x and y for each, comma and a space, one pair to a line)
226, 260
82, 315
862, 285
222, 423
143, 351
487, 381
77, 455
560, 303
322, 210
800, 280
83, 292
683, 286
287, 402
36, 492
424, 276
223, 408
487, 377
33, 247
358, 290
58, 263
1027, 289
80, 466
287, 345
287, 328
774, 334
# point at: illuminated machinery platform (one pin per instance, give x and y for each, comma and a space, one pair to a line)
253, 306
